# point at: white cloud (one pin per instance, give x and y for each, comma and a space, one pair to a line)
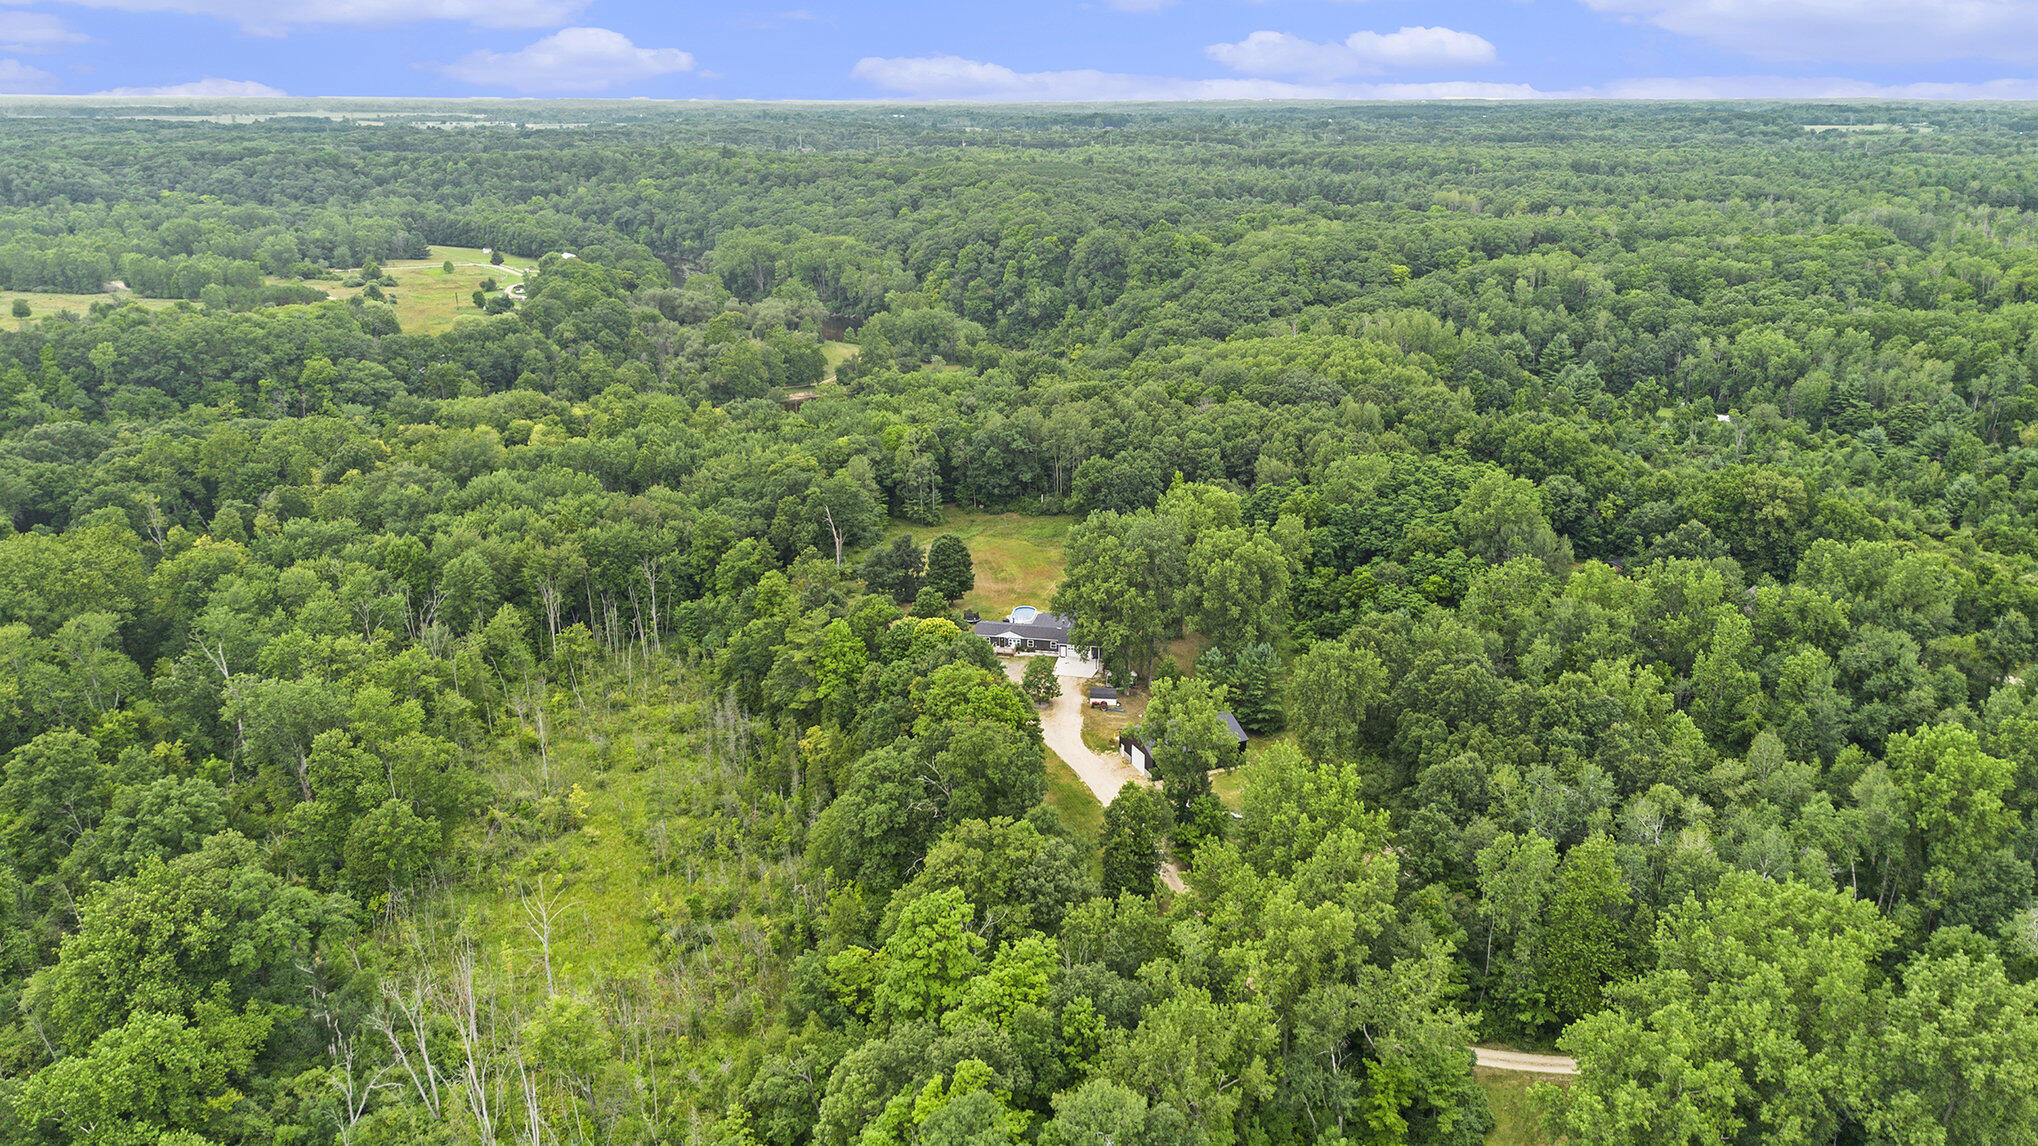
276, 17
211, 87
1853, 31
570, 60
956, 78
16, 76
36, 32
1360, 54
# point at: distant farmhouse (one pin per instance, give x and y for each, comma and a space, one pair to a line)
1028, 630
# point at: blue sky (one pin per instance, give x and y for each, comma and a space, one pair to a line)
1042, 50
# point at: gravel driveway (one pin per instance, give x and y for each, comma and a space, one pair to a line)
1061, 724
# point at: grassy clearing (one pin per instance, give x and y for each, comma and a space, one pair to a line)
42, 305
1069, 796
427, 299
837, 353
1185, 650
1516, 1121
1018, 558
613, 771
1101, 728
1229, 785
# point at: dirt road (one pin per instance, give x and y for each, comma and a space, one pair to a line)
1523, 1061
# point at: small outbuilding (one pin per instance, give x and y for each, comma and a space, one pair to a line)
1136, 753
1237, 730
1103, 696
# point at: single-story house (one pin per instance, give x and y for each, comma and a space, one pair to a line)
1136, 753
1232, 726
1028, 630
1103, 696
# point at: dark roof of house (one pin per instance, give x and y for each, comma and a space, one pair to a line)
1045, 627
1232, 723
1103, 692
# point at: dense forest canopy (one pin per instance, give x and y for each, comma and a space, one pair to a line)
1616, 525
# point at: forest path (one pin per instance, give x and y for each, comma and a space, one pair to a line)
1524, 1061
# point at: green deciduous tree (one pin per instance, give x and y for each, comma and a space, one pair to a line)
207, 925
1951, 1055
1039, 681
1118, 586
930, 960
1584, 941
1135, 830
1237, 591
1203, 1057
1501, 518
896, 569
1188, 740
56, 790
1013, 877
1742, 1030
156, 1078
1334, 685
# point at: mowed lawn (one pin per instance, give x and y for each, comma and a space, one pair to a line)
427, 299
1073, 800
1018, 558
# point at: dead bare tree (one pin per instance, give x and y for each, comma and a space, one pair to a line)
479, 1083
215, 655
834, 532
541, 918
527, 702
652, 567
404, 1021
549, 598
355, 1091
534, 1113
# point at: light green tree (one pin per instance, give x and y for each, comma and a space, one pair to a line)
1501, 518
1135, 828
1237, 588
1742, 1030
1188, 740
1039, 682
1334, 685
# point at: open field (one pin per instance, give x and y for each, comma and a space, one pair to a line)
43, 305
1018, 558
1185, 649
427, 299
1229, 786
